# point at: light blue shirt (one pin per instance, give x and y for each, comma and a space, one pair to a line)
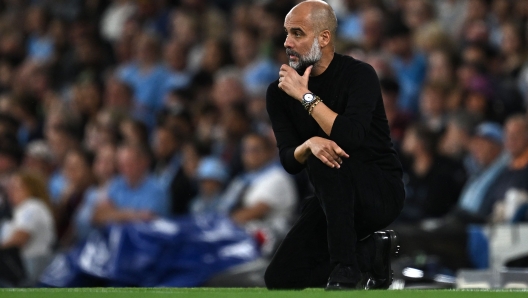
410, 75
258, 75
475, 190
147, 196
84, 214
40, 48
56, 185
148, 86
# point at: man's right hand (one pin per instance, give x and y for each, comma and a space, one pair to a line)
327, 151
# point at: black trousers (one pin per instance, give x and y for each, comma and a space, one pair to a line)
350, 203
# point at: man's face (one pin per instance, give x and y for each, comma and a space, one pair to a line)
302, 44
484, 150
515, 138
131, 164
254, 154
164, 143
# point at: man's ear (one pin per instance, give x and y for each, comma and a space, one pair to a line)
324, 38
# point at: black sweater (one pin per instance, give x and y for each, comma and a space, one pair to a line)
350, 88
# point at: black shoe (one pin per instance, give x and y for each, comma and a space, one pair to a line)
386, 243
345, 278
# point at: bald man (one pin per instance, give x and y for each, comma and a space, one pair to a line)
328, 117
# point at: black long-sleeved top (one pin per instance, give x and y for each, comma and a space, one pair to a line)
350, 88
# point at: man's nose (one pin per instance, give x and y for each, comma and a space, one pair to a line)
287, 43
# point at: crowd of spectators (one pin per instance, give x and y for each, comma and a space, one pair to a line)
130, 110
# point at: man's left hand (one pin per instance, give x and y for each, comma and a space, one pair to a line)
292, 83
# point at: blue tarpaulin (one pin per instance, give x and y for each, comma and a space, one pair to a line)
179, 252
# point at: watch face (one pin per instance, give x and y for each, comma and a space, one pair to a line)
308, 97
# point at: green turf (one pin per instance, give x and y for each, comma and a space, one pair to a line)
247, 293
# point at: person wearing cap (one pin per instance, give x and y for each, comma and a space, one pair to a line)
211, 176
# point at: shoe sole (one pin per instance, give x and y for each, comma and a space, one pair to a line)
394, 250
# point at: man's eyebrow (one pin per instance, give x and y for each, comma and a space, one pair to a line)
294, 29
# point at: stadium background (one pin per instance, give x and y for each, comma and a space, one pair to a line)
80, 77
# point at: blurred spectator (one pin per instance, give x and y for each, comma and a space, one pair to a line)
432, 183
475, 203
372, 28
77, 171
39, 159
256, 71
134, 194
10, 158
433, 106
167, 148
515, 177
32, 227
409, 66
211, 175
104, 170
398, 119
146, 74
454, 143
25, 109
178, 76
418, 13
228, 88
61, 139
441, 66
40, 45
451, 15
235, 123
264, 196
114, 17
134, 131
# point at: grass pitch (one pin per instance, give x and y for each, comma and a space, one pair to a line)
248, 293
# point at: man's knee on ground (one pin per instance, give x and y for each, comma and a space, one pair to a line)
274, 279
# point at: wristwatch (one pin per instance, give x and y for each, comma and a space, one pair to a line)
307, 100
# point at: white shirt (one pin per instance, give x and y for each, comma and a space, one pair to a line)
276, 189
32, 216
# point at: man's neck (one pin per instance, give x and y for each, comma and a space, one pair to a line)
134, 182
322, 64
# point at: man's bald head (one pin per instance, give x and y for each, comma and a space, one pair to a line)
320, 13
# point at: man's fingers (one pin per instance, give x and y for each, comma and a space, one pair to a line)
333, 155
326, 161
331, 161
307, 72
339, 151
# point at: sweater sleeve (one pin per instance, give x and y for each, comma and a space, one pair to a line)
351, 127
285, 134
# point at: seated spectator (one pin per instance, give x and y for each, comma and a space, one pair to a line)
134, 194
264, 196
211, 175
433, 183
146, 75
397, 118
475, 203
78, 173
168, 169
433, 106
409, 66
32, 228
104, 169
454, 142
10, 157
515, 176
61, 139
